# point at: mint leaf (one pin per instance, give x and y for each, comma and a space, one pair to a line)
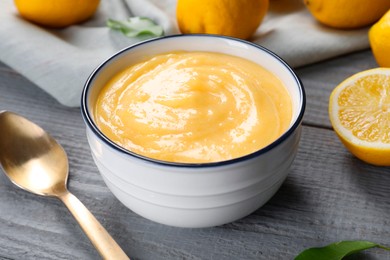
338, 250
136, 26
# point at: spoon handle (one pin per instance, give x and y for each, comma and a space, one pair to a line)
98, 235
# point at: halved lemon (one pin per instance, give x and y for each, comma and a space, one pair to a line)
359, 110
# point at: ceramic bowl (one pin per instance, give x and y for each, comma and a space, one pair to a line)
193, 195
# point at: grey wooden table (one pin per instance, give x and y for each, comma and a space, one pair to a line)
328, 196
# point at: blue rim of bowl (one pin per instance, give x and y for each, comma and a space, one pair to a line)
90, 122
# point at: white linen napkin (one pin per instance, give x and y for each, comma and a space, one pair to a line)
59, 61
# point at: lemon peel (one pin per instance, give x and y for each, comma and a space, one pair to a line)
58, 13
236, 18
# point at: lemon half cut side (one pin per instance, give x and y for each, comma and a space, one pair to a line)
359, 111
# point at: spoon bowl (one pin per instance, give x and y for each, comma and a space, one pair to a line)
29, 158
35, 162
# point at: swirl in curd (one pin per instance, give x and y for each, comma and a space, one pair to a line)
194, 107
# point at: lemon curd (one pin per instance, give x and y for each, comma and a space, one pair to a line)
194, 107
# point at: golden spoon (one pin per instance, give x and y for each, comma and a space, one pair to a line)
35, 162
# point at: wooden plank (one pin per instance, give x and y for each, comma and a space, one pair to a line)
320, 79
328, 196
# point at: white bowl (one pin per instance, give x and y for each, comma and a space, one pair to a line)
193, 195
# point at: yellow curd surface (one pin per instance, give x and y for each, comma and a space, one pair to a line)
194, 107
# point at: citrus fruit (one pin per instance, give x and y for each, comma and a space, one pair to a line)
379, 36
359, 110
236, 18
347, 14
56, 13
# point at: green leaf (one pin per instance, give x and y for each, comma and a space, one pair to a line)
136, 26
338, 250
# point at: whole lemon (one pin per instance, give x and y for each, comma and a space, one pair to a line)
347, 14
56, 13
236, 18
379, 36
